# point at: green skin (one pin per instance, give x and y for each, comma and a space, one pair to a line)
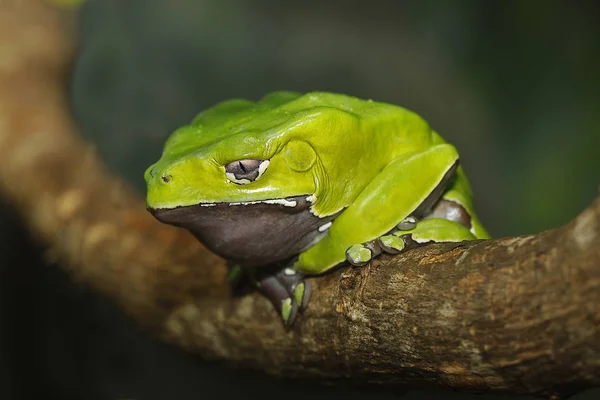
373, 163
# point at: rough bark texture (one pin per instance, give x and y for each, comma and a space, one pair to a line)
518, 315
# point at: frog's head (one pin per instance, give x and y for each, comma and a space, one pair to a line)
244, 178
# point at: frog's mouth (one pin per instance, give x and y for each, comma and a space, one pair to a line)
251, 233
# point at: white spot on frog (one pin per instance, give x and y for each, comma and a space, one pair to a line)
284, 202
324, 227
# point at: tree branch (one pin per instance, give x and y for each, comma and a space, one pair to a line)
518, 315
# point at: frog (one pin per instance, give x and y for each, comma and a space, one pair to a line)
294, 185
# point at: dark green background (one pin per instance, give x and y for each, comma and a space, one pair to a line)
513, 84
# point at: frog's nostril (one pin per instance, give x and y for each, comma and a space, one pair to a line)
166, 178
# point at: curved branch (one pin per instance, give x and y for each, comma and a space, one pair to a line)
519, 315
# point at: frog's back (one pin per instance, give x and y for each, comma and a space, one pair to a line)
239, 116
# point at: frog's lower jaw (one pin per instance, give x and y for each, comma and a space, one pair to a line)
251, 234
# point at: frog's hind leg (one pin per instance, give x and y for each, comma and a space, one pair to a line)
391, 243
446, 215
408, 184
447, 221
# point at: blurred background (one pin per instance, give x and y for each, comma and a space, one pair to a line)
514, 85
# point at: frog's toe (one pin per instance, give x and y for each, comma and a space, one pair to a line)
410, 240
360, 254
392, 244
288, 311
281, 298
296, 286
407, 224
302, 294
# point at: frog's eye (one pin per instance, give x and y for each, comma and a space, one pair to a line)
245, 171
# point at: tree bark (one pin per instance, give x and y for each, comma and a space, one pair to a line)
514, 315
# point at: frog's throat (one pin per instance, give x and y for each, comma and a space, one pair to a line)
252, 233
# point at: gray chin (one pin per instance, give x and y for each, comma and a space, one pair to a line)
250, 234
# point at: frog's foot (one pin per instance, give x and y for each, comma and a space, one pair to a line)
287, 290
409, 234
362, 253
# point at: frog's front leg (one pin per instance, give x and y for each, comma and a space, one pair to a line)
409, 186
285, 287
